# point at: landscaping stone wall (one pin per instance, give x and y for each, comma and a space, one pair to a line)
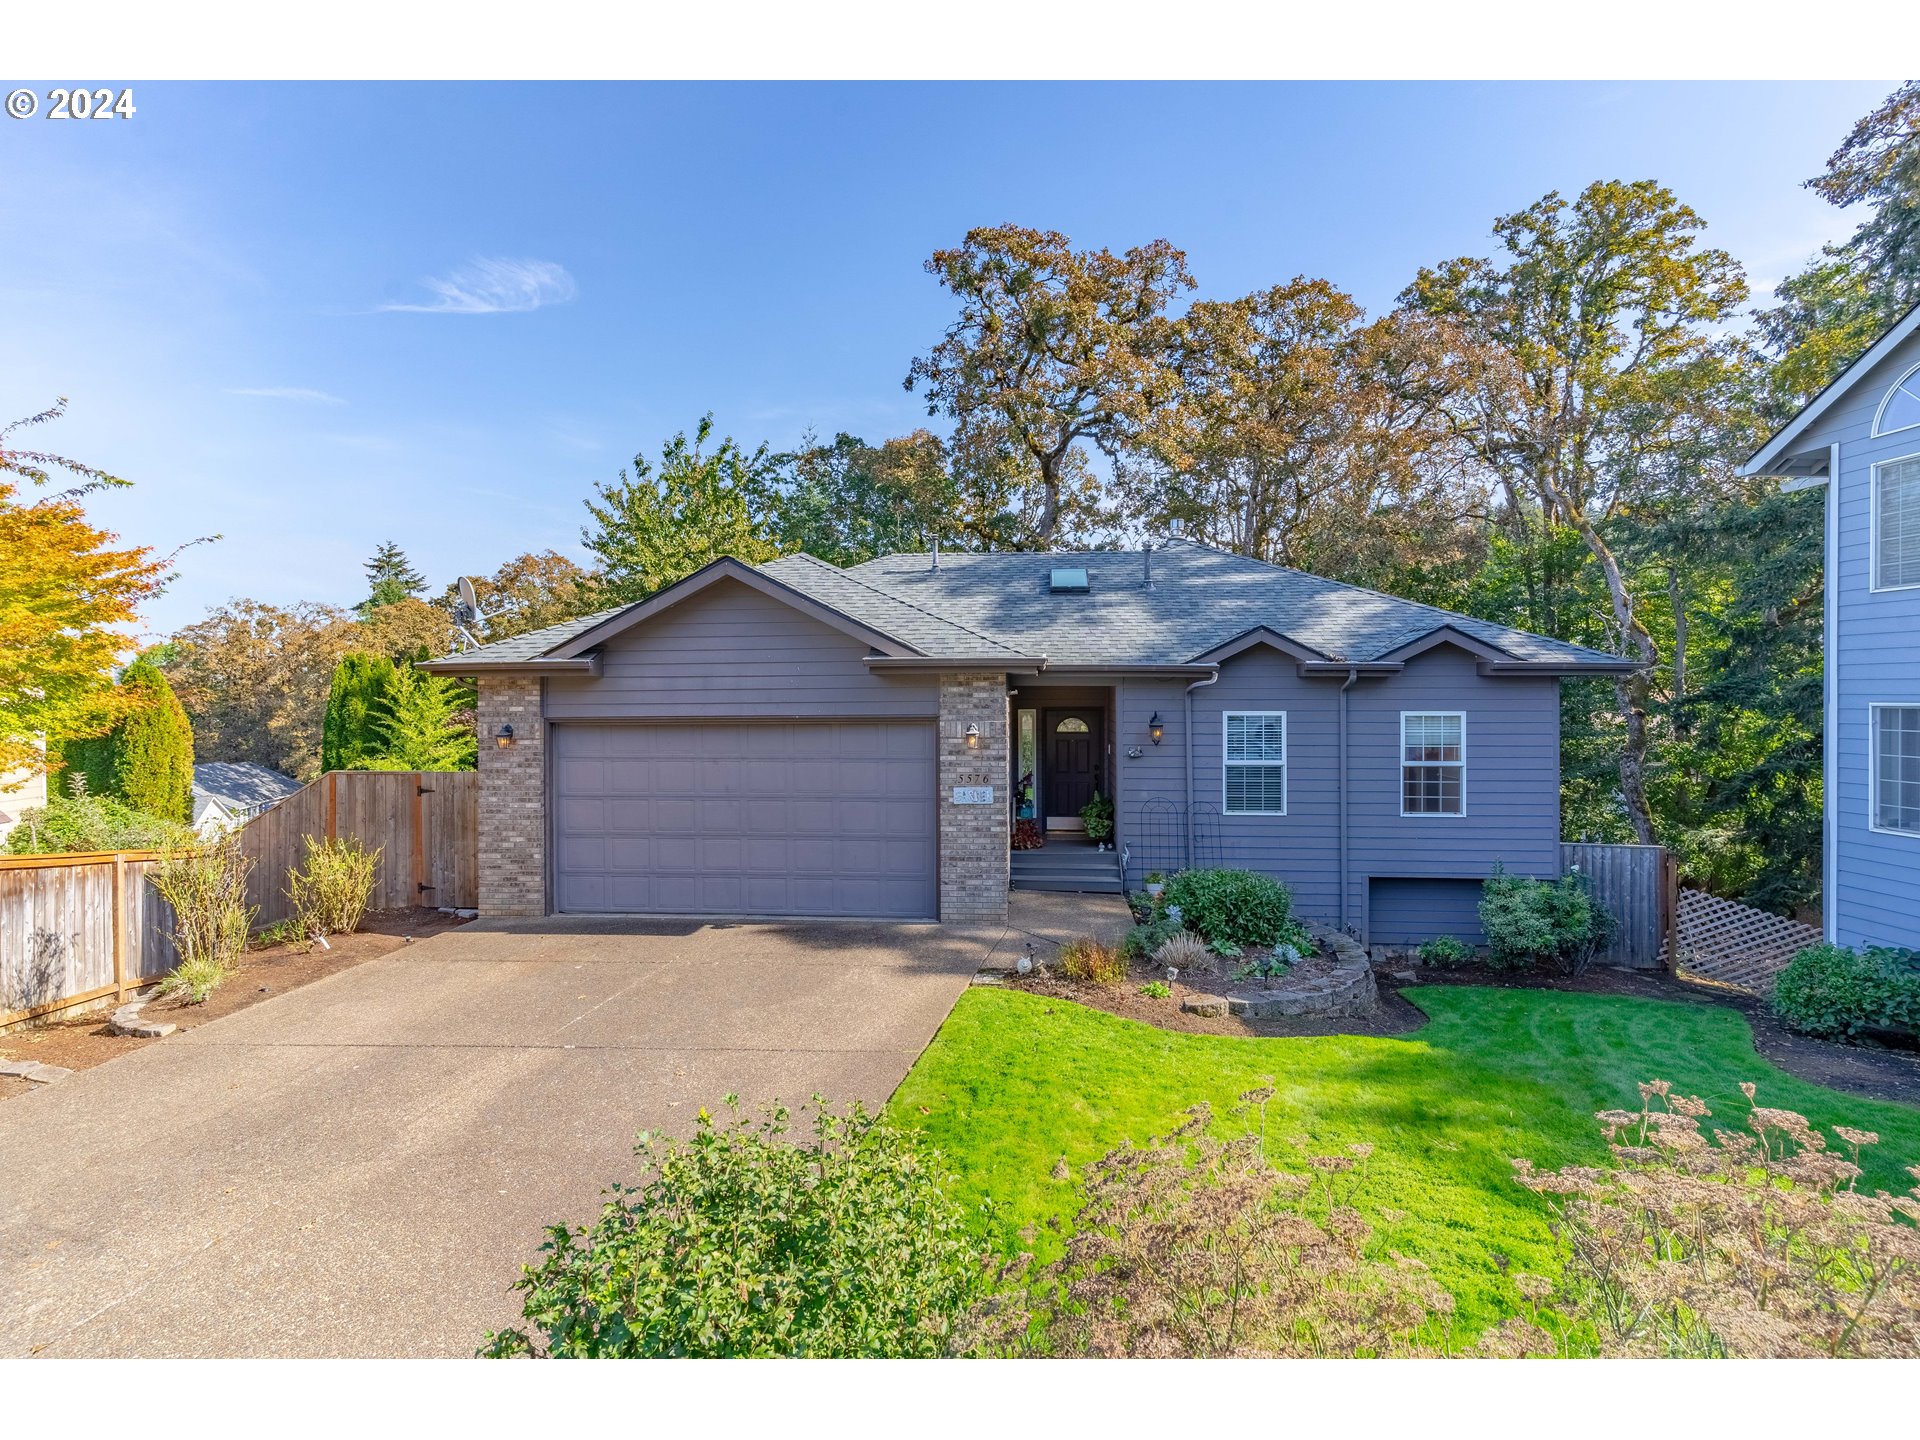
513, 798
973, 838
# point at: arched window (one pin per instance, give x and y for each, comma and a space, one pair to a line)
1072, 725
1901, 409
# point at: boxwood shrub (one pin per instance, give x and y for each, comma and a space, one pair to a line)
1235, 908
1528, 921
1834, 992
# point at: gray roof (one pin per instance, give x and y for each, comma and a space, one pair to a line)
238, 784
1000, 606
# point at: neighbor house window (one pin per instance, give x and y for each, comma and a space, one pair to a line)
1901, 409
1896, 523
1896, 768
1433, 764
1256, 763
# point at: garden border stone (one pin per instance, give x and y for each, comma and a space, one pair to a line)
1348, 989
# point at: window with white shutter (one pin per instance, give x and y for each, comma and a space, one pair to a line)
1256, 763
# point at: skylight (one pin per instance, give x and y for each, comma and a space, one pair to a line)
1066, 581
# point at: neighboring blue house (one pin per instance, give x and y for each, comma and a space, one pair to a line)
798, 739
1860, 437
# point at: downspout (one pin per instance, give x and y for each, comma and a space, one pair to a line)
1353, 674
1186, 700
1830, 720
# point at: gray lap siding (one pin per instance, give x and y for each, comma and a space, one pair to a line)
1512, 774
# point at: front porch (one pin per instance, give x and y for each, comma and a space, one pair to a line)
1061, 763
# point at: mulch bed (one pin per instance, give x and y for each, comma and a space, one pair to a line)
83, 1041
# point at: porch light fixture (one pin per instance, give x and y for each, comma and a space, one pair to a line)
1155, 730
503, 737
973, 737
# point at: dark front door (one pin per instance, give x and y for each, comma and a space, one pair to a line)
1075, 743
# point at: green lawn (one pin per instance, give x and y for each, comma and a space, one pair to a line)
1013, 1082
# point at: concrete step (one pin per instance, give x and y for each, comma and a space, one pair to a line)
1071, 884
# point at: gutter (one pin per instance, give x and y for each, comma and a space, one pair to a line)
454, 665
1186, 701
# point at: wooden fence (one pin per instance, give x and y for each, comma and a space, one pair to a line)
1639, 886
424, 823
1733, 944
76, 929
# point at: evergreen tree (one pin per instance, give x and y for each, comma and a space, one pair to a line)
349, 738
425, 723
390, 577
145, 760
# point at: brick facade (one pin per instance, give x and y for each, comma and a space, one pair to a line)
513, 798
973, 838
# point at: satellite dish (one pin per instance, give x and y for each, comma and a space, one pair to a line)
466, 611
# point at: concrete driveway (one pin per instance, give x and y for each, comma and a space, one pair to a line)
361, 1166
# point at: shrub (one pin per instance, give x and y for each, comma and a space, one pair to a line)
1745, 1244
1097, 816
1445, 950
743, 1243
1530, 920
1090, 960
1197, 1247
81, 824
355, 701
206, 886
146, 760
1187, 953
1143, 940
1831, 991
1234, 907
329, 893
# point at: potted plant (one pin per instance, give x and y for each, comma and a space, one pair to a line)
1097, 816
1156, 884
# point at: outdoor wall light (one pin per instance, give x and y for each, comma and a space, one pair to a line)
1155, 730
973, 737
503, 737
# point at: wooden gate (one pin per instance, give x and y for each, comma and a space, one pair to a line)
1637, 884
424, 823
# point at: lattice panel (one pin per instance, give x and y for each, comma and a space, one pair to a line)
1734, 944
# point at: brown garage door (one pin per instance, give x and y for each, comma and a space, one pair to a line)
821, 818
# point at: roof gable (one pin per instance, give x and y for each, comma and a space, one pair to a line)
1764, 460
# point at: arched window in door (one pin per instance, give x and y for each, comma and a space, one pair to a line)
1072, 725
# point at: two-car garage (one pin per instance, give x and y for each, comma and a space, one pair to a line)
829, 817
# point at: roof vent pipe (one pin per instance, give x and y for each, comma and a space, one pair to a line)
1146, 554
936, 554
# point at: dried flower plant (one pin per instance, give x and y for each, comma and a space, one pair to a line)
1197, 1246
1751, 1242
1092, 961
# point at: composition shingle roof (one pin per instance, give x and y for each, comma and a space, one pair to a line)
1001, 606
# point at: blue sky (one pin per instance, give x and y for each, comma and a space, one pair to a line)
286, 311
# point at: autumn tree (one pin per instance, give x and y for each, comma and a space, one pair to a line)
653, 526
1596, 347
254, 679
69, 597
390, 578
529, 592
1303, 436
1053, 349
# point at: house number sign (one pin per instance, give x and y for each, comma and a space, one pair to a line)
973, 794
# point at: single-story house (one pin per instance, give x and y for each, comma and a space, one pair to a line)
798, 739
227, 793
1860, 439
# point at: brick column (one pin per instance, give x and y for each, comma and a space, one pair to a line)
513, 798
973, 838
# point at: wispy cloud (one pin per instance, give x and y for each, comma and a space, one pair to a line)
287, 392
494, 287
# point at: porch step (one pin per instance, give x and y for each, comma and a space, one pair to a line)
1067, 868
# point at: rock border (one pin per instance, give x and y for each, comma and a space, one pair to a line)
1347, 990
126, 1021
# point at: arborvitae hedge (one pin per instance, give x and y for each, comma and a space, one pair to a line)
350, 736
147, 759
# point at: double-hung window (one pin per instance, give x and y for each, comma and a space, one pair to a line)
1896, 523
1256, 763
1433, 763
1896, 768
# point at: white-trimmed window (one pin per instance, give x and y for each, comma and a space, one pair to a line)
1433, 762
1896, 768
1256, 763
1896, 523
1901, 409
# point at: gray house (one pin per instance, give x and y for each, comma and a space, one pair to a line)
797, 739
1860, 438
